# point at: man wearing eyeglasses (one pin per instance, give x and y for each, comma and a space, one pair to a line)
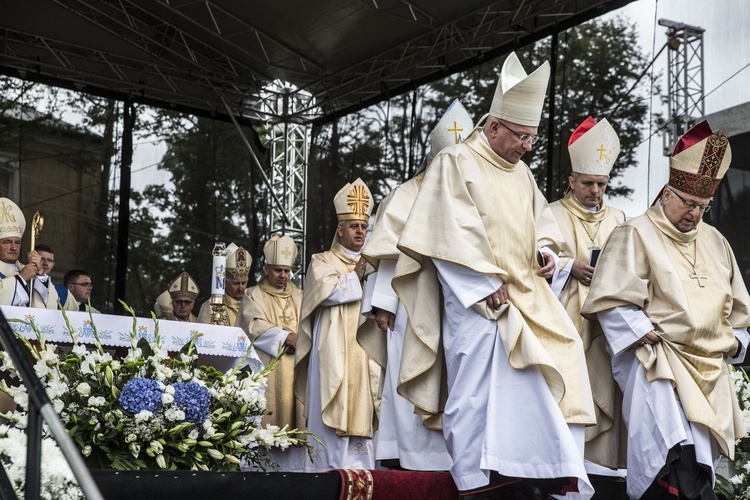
183, 291
79, 285
671, 301
16, 279
518, 394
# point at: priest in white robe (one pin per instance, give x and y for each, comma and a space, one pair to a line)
269, 314
334, 378
585, 221
401, 434
518, 393
671, 300
21, 285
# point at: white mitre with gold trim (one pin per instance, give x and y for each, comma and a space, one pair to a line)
184, 287
353, 202
519, 97
452, 128
12, 221
280, 251
593, 147
238, 262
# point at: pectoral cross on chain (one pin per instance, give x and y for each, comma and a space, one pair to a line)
698, 278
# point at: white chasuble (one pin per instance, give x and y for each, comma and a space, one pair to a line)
690, 289
401, 433
582, 230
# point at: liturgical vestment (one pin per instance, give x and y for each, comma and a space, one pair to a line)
688, 289
583, 229
334, 377
13, 292
401, 433
516, 376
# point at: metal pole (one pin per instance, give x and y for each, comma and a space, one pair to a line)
123, 221
551, 121
33, 453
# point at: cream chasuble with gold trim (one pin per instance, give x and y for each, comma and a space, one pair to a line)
231, 307
267, 309
690, 288
348, 383
606, 442
12, 293
465, 214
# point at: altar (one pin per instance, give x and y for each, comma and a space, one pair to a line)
218, 346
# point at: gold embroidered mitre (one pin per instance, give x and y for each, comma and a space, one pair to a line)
238, 263
593, 147
280, 251
353, 202
453, 127
12, 221
519, 97
184, 287
699, 161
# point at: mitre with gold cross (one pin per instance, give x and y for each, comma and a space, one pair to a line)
12, 221
519, 97
238, 262
699, 161
280, 251
593, 147
452, 128
353, 202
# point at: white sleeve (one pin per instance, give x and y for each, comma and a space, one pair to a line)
348, 289
383, 296
271, 340
624, 326
744, 338
41, 285
561, 278
469, 286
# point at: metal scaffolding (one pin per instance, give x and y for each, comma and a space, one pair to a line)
684, 79
289, 145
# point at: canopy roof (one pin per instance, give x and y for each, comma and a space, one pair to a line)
208, 56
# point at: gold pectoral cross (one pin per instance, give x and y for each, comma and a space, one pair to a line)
698, 278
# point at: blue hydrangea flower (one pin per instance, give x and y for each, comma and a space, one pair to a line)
193, 399
140, 394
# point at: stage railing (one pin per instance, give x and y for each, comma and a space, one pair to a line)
40, 410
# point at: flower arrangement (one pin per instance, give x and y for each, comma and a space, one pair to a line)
738, 485
150, 410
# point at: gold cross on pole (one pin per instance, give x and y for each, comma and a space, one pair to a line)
455, 131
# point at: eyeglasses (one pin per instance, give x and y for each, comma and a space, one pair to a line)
87, 285
183, 303
45, 259
524, 138
691, 205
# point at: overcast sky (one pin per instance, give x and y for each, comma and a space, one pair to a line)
726, 62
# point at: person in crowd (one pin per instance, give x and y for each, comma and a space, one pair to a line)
183, 291
47, 258
269, 314
671, 301
79, 285
586, 221
481, 243
334, 377
402, 439
235, 284
21, 285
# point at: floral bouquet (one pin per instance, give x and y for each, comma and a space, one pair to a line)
738, 486
150, 410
